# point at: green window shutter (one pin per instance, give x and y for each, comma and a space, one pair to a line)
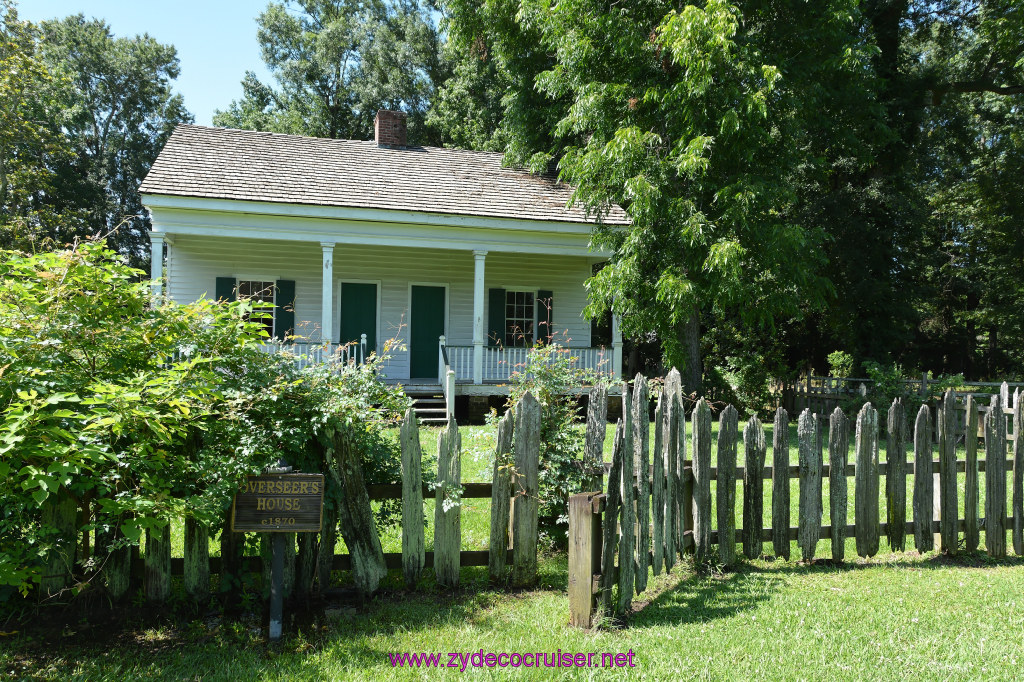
495, 317
545, 316
225, 290
284, 311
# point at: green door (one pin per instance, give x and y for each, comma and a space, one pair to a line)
426, 324
359, 314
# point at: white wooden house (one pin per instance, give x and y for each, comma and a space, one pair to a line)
465, 263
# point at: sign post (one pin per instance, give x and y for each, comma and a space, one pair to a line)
278, 502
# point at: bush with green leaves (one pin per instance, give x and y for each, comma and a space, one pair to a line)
554, 376
141, 412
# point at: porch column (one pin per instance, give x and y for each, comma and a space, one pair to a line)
156, 263
616, 348
478, 316
327, 301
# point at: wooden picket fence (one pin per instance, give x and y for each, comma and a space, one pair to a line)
651, 513
310, 557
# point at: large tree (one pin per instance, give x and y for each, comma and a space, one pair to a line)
335, 63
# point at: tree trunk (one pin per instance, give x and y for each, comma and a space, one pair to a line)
692, 369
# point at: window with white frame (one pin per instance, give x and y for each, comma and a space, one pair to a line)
260, 292
520, 318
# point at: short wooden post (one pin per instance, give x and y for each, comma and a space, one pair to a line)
641, 435
627, 541
413, 540
753, 487
972, 535
501, 490
597, 425
158, 563
809, 526
448, 507
702, 480
995, 479
610, 523
949, 516
725, 488
232, 546
780, 484
117, 567
924, 483
896, 477
866, 482
658, 486
197, 560
1018, 476
584, 555
838, 455
526, 445
59, 514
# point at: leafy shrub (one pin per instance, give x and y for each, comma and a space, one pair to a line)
840, 364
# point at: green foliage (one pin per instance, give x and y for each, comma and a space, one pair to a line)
553, 375
142, 413
335, 63
840, 363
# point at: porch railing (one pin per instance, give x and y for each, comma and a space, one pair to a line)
314, 353
500, 362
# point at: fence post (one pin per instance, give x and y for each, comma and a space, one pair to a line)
896, 477
753, 487
158, 563
924, 483
866, 482
949, 510
413, 541
673, 477
584, 555
780, 484
526, 445
809, 524
971, 532
627, 543
641, 433
597, 425
995, 479
197, 560
658, 485
702, 480
725, 488
501, 490
447, 507
838, 455
59, 514
1018, 476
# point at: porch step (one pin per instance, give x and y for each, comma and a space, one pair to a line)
430, 408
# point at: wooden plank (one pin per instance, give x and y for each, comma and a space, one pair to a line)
197, 560
995, 480
839, 455
1018, 476
924, 486
524, 523
780, 483
413, 538
972, 535
671, 441
500, 500
597, 425
641, 435
658, 487
725, 489
584, 557
610, 523
947, 474
158, 563
684, 485
702, 481
753, 487
866, 482
810, 459
896, 475
447, 507
627, 518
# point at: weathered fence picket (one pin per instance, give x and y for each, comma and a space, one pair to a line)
810, 459
753, 487
924, 482
1018, 475
597, 425
866, 482
684, 522
59, 512
896, 477
658, 487
702, 480
158, 563
627, 517
448, 507
780, 484
501, 488
526, 446
641, 435
995, 479
949, 509
725, 488
197, 560
413, 540
971, 533
672, 476
838, 455
610, 541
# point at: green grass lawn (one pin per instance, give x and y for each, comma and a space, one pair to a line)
893, 616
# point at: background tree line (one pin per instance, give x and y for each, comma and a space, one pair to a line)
802, 177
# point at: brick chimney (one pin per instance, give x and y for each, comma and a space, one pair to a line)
389, 129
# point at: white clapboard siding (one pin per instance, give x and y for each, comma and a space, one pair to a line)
194, 263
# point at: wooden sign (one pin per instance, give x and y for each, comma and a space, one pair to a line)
279, 503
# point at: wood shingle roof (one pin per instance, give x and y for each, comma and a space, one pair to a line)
222, 163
